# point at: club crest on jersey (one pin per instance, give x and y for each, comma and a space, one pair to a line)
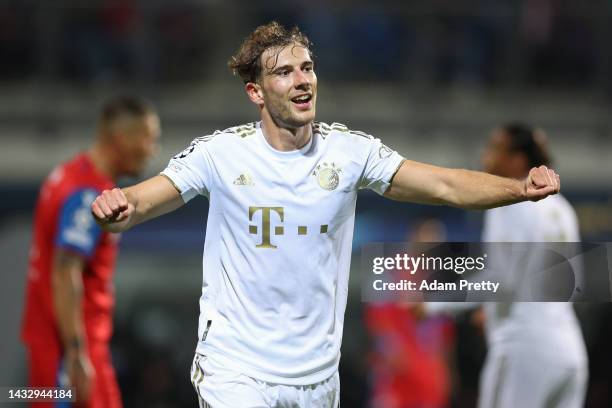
327, 175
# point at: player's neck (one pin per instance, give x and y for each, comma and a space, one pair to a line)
285, 140
102, 160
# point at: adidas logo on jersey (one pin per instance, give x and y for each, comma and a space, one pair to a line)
244, 180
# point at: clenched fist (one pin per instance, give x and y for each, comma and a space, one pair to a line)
112, 210
541, 182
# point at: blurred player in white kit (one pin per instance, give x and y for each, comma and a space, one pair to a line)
282, 195
536, 354
536, 357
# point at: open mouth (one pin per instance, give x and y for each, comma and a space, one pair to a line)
302, 99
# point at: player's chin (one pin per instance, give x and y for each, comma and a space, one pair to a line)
303, 118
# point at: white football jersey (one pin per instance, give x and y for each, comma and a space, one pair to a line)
543, 326
278, 244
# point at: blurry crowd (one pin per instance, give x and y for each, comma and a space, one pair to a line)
481, 42
110, 40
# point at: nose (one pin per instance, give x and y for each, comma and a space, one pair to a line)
151, 148
154, 149
301, 80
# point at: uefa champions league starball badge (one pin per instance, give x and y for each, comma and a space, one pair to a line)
328, 176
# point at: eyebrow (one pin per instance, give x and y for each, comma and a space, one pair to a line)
290, 67
281, 68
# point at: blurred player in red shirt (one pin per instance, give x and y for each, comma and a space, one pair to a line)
69, 300
409, 356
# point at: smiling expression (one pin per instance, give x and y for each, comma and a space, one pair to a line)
289, 86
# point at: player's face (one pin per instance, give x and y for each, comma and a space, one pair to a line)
289, 86
141, 139
497, 157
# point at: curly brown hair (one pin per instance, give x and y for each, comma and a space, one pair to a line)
246, 63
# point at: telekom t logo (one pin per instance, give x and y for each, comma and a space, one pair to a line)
266, 226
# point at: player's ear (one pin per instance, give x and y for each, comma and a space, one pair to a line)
254, 92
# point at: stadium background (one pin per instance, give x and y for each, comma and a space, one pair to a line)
430, 78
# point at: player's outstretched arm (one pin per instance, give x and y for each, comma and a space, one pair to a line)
120, 209
427, 184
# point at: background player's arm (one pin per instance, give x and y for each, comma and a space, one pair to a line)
120, 209
427, 184
67, 290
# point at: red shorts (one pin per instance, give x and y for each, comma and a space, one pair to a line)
44, 364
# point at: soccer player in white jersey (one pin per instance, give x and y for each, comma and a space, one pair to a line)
537, 357
282, 195
536, 354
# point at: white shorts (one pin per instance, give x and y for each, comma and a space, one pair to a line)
220, 387
511, 380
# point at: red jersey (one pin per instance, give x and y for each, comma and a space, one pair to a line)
63, 220
408, 360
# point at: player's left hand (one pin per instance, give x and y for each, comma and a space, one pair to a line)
541, 182
80, 373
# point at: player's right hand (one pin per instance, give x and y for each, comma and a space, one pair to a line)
111, 207
541, 182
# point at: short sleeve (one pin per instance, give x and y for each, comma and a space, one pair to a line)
381, 165
77, 230
191, 171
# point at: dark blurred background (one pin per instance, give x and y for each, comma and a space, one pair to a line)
429, 77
